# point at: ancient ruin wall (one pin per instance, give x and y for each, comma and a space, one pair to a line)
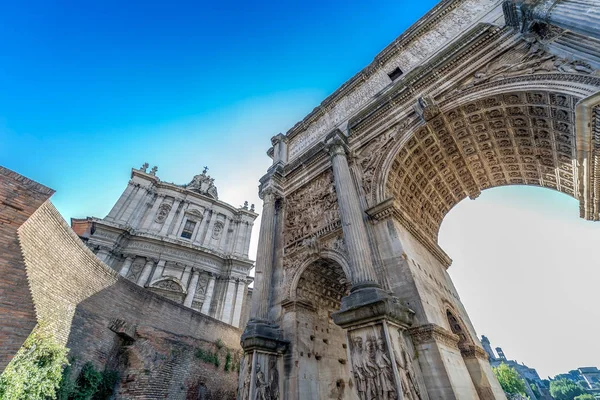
110, 321
19, 198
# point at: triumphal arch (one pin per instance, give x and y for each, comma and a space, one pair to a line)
352, 297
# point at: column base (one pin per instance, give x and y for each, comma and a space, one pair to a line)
262, 335
371, 303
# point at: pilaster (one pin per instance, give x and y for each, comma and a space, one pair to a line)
126, 266
228, 301
239, 300
169, 220
146, 272
179, 220
151, 215
191, 290
209, 295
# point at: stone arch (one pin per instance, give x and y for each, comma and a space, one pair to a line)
319, 345
494, 138
325, 255
322, 282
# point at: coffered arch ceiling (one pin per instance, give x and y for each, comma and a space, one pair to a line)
513, 138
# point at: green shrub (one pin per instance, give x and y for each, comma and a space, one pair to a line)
208, 356
89, 385
227, 361
36, 370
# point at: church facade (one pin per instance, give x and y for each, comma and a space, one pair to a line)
179, 241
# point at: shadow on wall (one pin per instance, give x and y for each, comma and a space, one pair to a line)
106, 319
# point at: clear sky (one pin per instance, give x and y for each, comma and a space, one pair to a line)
90, 89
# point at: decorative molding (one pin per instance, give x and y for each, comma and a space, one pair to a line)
433, 333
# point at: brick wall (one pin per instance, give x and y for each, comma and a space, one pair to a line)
19, 198
101, 316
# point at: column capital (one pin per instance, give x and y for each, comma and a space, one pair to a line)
151, 260
280, 137
336, 144
128, 256
196, 271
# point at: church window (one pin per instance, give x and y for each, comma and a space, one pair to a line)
188, 229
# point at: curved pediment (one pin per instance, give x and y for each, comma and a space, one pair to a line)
169, 284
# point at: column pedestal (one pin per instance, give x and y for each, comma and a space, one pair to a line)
380, 357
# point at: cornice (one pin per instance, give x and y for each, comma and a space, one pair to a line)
132, 236
472, 351
158, 184
433, 333
414, 31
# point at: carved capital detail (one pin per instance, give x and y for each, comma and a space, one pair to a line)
433, 333
472, 351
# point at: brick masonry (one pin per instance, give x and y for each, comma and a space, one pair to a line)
19, 198
100, 316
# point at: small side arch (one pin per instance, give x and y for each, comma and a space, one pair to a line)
326, 256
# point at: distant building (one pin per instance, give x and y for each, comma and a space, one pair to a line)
587, 377
530, 375
179, 241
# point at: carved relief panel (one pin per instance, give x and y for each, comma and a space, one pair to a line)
382, 364
163, 213
260, 377
311, 210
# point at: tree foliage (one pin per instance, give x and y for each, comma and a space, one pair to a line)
510, 380
565, 389
90, 384
586, 396
36, 370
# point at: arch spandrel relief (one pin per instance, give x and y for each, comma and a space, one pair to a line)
311, 212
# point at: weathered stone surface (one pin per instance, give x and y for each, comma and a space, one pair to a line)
100, 316
490, 93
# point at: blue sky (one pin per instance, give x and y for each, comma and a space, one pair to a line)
90, 89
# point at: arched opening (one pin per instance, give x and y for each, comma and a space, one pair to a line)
526, 269
514, 138
319, 344
457, 151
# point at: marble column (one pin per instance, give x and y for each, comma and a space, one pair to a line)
160, 267
581, 16
152, 214
169, 220
208, 296
191, 291
146, 272
229, 299
239, 301
177, 226
126, 266
353, 225
264, 259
